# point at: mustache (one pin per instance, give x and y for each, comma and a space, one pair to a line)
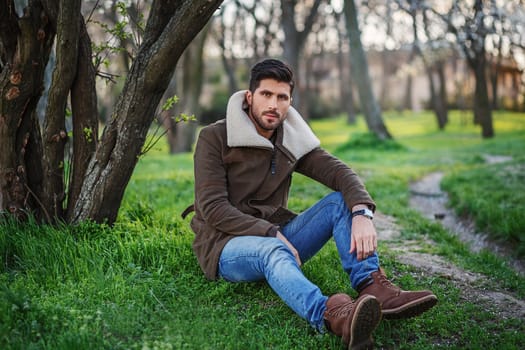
272, 113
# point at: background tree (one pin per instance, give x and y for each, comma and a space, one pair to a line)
192, 81
187, 81
359, 69
433, 55
294, 12
223, 33
468, 23
346, 93
29, 181
263, 17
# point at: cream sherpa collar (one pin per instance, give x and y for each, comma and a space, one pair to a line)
298, 138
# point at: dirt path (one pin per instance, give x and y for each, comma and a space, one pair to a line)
430, 201
428, 198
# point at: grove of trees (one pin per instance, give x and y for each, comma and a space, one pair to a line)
68, 66
35, 175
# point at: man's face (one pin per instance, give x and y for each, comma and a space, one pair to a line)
268, 105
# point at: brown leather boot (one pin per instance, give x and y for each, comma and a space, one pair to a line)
397, 303
354, 321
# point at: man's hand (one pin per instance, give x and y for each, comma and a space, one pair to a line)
291, 247
364, 236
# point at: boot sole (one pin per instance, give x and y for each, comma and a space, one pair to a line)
414, 308
364, 321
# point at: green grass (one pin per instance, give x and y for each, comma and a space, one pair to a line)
137, 285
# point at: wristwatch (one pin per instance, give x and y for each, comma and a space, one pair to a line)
365, 212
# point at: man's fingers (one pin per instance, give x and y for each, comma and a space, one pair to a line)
365, 247
352, 245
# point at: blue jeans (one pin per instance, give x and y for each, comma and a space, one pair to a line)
254, 258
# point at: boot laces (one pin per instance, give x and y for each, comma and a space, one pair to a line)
385, 282
342, 309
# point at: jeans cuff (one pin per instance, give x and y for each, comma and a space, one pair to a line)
364, 283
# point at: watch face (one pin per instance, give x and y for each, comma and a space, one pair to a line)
365, 212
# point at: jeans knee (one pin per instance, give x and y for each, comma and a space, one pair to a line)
276, 252
336, 197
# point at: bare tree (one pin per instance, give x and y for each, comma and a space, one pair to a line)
471, 33
346, 94
433, 55
221, 33
295, 38
359, 65
265, 26
29, 181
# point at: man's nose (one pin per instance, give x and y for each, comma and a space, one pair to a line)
272, 102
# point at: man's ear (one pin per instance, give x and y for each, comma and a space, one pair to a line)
249, 97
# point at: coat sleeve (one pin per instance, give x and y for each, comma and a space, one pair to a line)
211, 191
323, 167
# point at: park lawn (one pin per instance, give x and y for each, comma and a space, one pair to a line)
137, 285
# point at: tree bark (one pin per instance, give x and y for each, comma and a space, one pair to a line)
359, 65
26, 44
170, 28
55, 133
84, 116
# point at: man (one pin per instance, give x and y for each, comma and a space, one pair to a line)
244, 232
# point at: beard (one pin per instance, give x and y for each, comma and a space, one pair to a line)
266, 120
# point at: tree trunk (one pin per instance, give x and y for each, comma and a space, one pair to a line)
474, 48
482, 110
494, 85
294, 41
193, 77
441, 108
84, 116
229, 63
55, 133
32, 164
359, 66
438, 94
170, 28
346, 95
435, 98
230, 73
386, 62
407, 98
25, 46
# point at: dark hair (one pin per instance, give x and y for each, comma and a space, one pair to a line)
271, 69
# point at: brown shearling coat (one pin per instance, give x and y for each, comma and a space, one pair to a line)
242, 180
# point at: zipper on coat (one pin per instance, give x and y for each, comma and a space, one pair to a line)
273, 166
272, 163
